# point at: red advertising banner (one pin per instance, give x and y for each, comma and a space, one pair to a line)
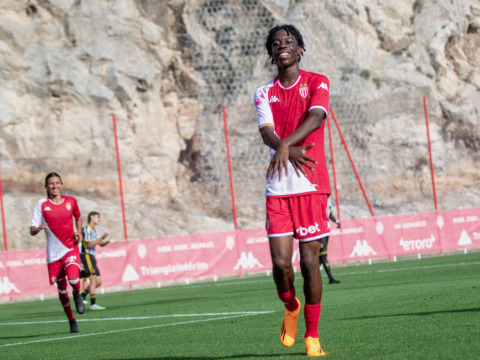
183, 258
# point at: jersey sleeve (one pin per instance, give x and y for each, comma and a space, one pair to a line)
320, 93
265, 116
76, 211
37, 219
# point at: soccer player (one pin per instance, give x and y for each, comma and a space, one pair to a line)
291, 112
54, 214
91, 238
323, 250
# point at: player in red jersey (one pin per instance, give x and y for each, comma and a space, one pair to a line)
291, 112
54, 214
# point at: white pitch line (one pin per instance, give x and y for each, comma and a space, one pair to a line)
135, 329
425, 267
139, 317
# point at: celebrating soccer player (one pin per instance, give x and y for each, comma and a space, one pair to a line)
291, 112
54, 214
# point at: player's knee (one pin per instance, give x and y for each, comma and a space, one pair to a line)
309, 263
74, 282
282, 265
62, 286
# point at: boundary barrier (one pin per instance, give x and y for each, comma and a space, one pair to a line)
162, 261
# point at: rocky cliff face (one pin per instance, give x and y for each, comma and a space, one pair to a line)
164, 68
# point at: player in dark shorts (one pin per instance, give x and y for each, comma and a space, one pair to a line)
324, 241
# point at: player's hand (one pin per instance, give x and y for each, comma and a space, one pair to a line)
278, 163
338, 225
35, 230
298, 158
78, 238
41, 227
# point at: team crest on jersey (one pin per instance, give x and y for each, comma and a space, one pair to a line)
303, 90
68, 206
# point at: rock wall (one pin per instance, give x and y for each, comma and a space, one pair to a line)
67, 65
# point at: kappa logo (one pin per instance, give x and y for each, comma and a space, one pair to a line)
274, 99
47, 208
6, 286
247, 261
362, 249
323, 86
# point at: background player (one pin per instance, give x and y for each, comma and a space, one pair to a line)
324, 241
91, 238
54, 214
291, 109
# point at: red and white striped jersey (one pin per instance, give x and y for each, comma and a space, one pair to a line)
60, 232
285, 109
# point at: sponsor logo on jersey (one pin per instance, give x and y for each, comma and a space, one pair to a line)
71, 259
274, 99
47, 208
323, 86
303, 90
68, 206
312, 229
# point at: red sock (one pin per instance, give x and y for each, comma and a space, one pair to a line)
63, 296
312, 316
288, 298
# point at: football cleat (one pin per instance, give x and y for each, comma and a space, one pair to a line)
333, 281
288, 331
312, 345
79, 303
73, 326
97, 307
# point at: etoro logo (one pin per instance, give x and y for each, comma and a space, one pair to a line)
304, 231
417, 244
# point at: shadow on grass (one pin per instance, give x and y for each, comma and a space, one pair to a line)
33, 336
244, 356
420, 313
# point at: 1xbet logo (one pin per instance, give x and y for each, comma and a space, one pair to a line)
312, 229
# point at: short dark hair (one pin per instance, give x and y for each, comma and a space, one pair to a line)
52, 174
91, 214
291, 30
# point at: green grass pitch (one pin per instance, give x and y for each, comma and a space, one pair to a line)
411, 309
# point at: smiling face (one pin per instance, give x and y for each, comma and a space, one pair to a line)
285, 49
54, 186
